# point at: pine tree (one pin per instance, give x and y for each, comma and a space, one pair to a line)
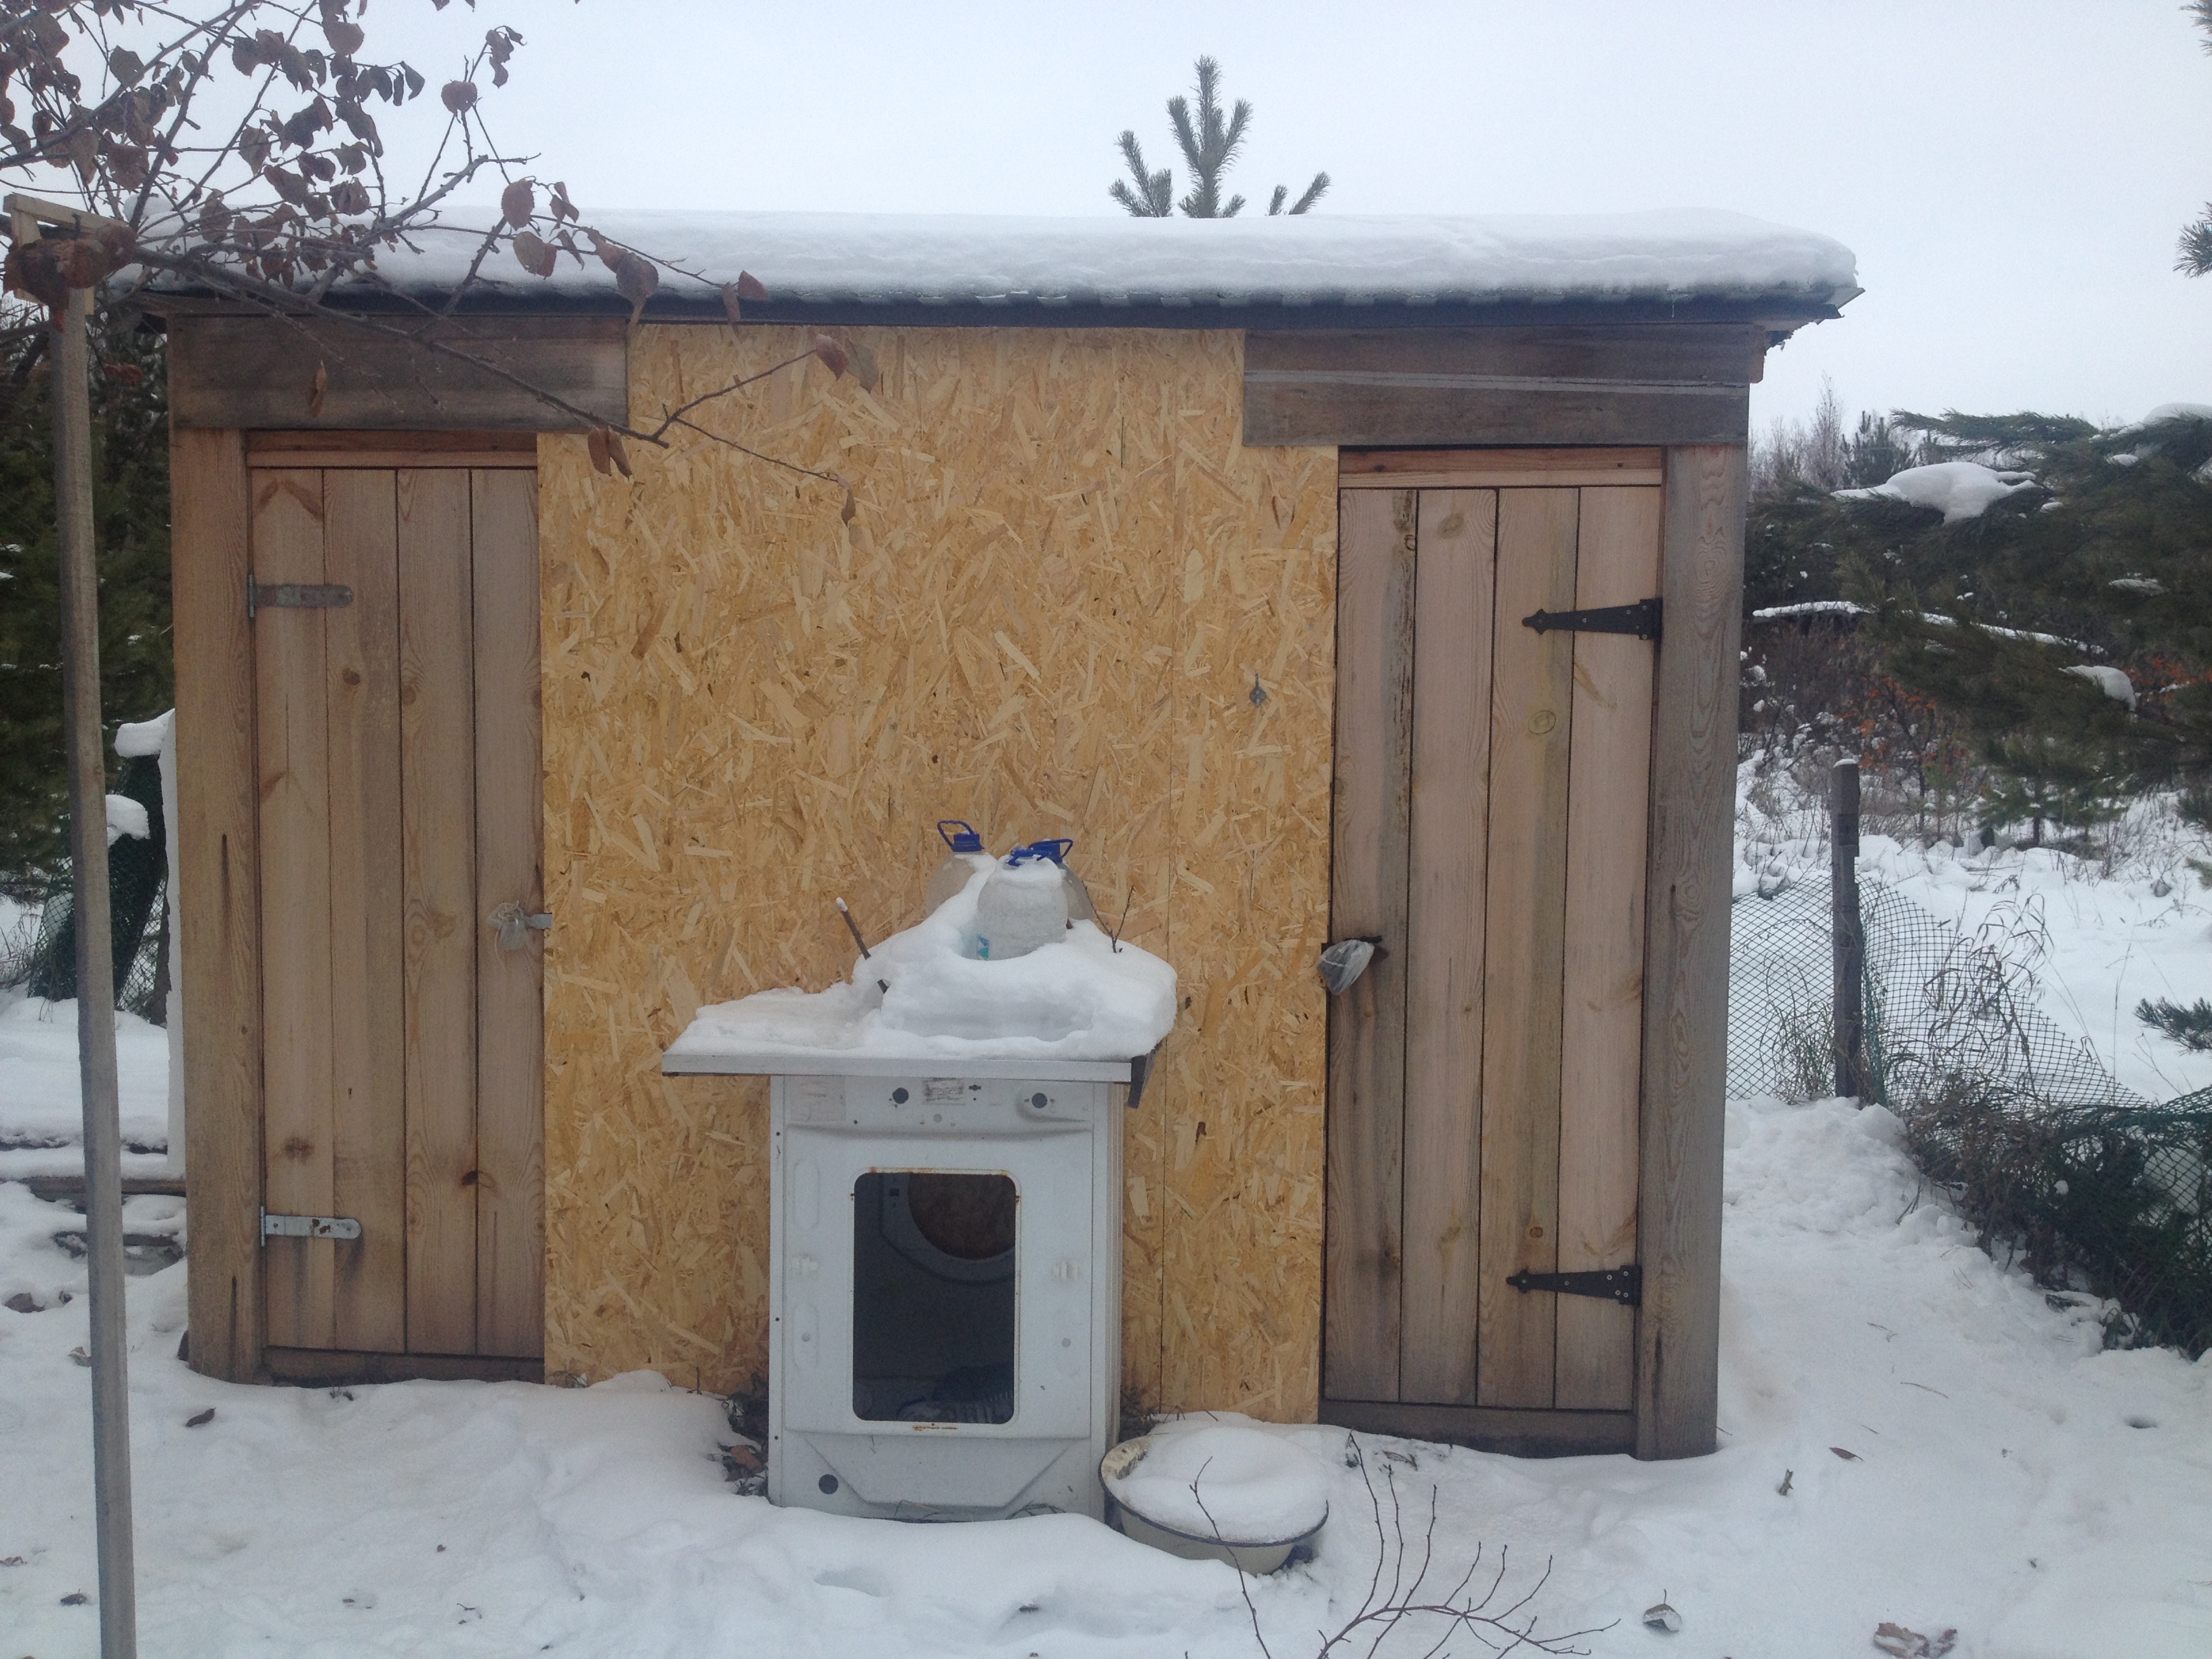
1210, 143
131, 486
2014, 621
2195, 256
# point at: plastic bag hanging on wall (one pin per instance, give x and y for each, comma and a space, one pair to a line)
1344, 961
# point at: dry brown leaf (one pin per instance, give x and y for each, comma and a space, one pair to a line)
864, 365
517, 204
597, 443
751, 287
831, 354
316, 389
850, 510
1848, 1457
635, 279
459, 96
345, 38
200, 1419
730, 306
1903, 1643
616, 453
533, 253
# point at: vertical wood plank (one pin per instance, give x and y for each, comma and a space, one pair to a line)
1531, 709
292, 724
438, 855
510, 994
1686, 953
1367, 896
1602, 1040
368, 1026
1455, 586
218, 924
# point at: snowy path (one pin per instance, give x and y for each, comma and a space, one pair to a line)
2048, 1500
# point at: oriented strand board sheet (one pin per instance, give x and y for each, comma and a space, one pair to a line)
1071, 602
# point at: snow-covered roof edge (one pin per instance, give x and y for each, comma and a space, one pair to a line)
1680, 259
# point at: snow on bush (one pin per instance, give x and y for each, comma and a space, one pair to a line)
1957, 489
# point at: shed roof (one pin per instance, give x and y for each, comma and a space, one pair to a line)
1322, 269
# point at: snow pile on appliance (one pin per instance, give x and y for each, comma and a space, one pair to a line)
924, 995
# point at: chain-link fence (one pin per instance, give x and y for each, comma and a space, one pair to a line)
2093, 1188
43, 959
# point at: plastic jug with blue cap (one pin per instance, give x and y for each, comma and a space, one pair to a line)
1024, 905
964, 856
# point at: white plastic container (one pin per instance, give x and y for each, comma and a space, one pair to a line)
1024, 905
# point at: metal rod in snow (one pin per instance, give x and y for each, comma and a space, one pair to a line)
95, 978
853, 928
1847, 931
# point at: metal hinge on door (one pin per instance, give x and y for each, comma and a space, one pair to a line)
293, 596
307, 1226
1641, 619
1621, 1284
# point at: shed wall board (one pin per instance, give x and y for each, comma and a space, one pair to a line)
1066, 574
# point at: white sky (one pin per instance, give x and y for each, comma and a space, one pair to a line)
2011, 173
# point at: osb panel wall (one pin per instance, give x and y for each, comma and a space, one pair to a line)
1070, 602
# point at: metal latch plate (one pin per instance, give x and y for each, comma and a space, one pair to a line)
1641, 619
308, 1226
1621, 1284
295, 596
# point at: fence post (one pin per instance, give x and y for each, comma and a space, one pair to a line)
1847, 932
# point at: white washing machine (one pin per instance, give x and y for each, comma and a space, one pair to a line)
945, 1293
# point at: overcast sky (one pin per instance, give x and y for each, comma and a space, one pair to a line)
2011, 173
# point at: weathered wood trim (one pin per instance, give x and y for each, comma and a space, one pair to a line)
386, 460
1497, 468
218, 922
1692, 354
257, 371
1363, 1250
1685, 954
339, 1367
1489, 1428
1638, 383
1385, 410
518, 446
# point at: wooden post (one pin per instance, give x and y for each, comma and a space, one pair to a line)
1847, 933
96, 975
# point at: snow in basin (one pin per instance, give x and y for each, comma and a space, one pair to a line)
1256, 1485
1079, 1000
949, 259
1957, 489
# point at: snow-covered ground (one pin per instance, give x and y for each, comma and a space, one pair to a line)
1911, 1433
2102, 935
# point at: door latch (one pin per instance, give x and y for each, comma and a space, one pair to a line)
295, 596
307, 1226
514, 923
1621, 1284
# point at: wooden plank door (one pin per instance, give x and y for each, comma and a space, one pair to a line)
1490, 805
399, 746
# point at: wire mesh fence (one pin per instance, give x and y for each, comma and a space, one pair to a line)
2092, 1186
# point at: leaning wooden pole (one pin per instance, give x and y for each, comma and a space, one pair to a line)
95, 976
1847, 930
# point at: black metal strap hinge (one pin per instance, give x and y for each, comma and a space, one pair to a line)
293, 596
1621, 1284
1641, 619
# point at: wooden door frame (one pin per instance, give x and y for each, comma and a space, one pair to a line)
218, 885
1682, 1109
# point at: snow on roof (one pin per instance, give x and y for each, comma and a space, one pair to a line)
816, 258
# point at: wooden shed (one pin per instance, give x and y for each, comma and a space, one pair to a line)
1214, 546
